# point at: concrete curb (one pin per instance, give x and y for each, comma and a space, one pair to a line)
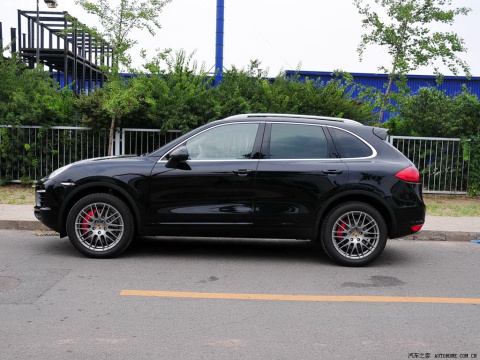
22, 225
429, 235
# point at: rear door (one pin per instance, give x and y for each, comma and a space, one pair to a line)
298, 173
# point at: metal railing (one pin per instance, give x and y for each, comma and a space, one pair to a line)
141, 141
440, 162
32, 152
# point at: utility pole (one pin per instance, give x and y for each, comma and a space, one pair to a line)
38, 36
219, 42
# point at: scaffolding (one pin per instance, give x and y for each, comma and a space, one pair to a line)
65, 47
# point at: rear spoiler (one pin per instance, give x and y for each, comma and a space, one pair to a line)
381, 133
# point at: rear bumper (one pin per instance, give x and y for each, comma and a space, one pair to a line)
408, 222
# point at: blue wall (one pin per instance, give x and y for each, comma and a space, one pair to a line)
452, 85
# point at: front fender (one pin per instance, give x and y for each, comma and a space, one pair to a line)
135, 202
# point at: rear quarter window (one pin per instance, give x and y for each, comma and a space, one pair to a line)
349, 145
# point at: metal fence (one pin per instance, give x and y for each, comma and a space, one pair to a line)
141, 141
32, 152
440, 162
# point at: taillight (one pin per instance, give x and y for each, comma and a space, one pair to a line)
410, 174
416, 228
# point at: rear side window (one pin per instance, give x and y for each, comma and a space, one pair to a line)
296, 141
348, 145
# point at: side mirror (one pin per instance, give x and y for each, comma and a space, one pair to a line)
177, 156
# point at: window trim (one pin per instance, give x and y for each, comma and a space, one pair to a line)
330, 142
258, 139
262, 142
374, 151
268, 139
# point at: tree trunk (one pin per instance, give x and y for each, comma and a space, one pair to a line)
385, 99
398, 55
110, 139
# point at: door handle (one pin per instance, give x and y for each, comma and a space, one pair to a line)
242, 172
332, 172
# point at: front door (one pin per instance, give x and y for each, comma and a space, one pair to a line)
214, 188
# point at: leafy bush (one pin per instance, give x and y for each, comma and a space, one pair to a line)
182, 97
472, 154
430, 112
32, 97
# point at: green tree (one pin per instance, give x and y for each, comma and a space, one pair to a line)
121, 102
182, 95
404, 28
117, 23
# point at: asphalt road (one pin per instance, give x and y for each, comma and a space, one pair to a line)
153, 302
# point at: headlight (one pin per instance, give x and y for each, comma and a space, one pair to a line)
58, 171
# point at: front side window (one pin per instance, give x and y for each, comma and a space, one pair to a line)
227, 142
297, 141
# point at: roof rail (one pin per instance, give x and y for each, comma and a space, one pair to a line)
295, 116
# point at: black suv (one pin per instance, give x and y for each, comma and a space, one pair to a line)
330, 180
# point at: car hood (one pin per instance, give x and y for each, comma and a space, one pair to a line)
109, 166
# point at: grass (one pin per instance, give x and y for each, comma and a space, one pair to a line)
14, 194
438, 205
452, 205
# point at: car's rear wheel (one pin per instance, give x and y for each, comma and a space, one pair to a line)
354, 234
100, 226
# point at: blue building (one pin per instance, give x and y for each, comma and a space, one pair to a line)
452, 85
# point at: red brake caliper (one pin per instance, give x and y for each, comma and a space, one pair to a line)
86, 219
341, 228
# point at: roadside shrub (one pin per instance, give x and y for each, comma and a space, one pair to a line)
471, 150
32, 97
430, 112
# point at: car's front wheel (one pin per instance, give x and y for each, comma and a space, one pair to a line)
100, 226
354, 234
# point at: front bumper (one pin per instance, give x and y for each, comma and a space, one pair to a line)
48, 217
43, 210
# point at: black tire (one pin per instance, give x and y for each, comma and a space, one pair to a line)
354, 234
100, 226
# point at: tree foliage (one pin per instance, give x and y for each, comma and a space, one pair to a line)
243, 91
404, 28
117, 23
431, 112
176, 94
32, 97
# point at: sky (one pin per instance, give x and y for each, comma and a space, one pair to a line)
313, 35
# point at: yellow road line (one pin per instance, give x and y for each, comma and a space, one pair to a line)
278, 297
